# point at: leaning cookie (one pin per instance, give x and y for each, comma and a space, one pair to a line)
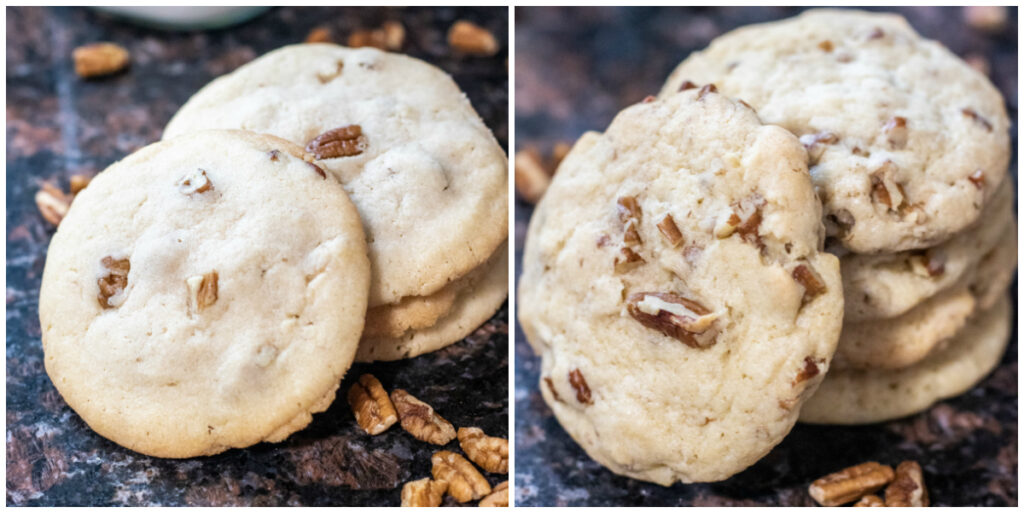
645, 289
427, 176
867, 396
206, 292
888, 285
907, 143
474, 299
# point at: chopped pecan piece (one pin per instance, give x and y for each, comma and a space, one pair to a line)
470, 38
195, 182
811, 281
896, 131
98, 59
747, 105
971, 113
318, 170
667, 227
809, 371
907, 489
826, 46
927, 263
870, 501
884, 188
579, 384
371, 405
423, 493
851, 483
274, 155
465, 483
745, 220
346, 141
113, 282
420, 420
709, 88
498, 497
551, 387
978, 179
488, 452
648, 99
627, 260
628, 209
531, 178
52, 203
687, 85
678, 317
202, 291
815, 144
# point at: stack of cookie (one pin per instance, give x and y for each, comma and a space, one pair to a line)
210, 291
684, 275
908, 148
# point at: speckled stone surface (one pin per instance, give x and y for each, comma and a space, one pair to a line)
575, 69
59, 125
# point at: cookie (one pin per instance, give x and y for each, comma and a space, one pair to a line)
644, 284
427, 176
422, 328
888, 285
867, 396
206, 292
907, 143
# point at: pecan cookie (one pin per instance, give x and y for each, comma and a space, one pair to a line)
888, 285
675, 288
904, 340
907, 143
204, 293
866, 396
427, 176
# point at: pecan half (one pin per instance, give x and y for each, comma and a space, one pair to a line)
977, 118
667, 227
851, 483
472, 39
907, 489
423, 493
202, 291
420, 420
579, 384
746, 220
811, 281
896, 131
465, 483
978, 179
709, 88
488, 452
870, 501
99, 59
371, 405
52, 203
678, 317
498, 497
196, 182
113, 282
345, 141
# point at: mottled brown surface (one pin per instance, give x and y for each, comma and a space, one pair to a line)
59, 125
575, 69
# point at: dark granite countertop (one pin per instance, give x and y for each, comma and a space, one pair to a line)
575, 69
59, 125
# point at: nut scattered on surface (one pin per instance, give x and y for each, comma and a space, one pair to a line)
896, 131
371, 405
810, 280
987, 18
470, 38
851, 483
52, 203
675, 316
488, 452
870, 501
390, 36
579, 384
99, 59
465, 482
498, 497
195, 182
113, 282
202, 291
423, 493
558, 153
420, 420
531, 179
907, 488
345, 141
79, 182
319, 35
